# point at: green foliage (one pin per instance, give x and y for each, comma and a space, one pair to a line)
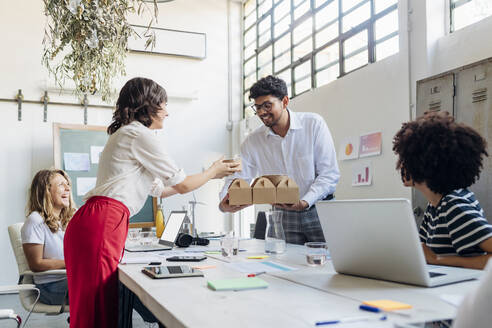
86, 41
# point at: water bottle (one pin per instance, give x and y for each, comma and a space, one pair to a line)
274, 233
159, 221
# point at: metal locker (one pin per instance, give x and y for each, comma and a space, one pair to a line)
434, 93
474, 108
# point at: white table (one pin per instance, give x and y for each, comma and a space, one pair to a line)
293, 299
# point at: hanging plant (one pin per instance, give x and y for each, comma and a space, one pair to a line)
86, 41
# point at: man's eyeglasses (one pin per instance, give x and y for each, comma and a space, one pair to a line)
266, 106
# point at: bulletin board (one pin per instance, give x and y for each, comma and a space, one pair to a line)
76, 150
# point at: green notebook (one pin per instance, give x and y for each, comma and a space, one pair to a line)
237, 283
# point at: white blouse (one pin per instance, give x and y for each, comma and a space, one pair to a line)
133, 165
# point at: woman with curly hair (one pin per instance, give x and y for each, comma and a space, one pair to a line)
50, 207
133, 159
441, 159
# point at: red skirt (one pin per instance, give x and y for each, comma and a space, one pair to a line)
93, 245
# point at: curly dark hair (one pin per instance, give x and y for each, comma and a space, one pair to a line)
269, 85
440, 152
139, 100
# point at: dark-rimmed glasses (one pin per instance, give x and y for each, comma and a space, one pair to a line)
266, 106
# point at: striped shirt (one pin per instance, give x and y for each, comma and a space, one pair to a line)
456, 226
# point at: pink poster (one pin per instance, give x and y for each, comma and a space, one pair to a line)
370, 144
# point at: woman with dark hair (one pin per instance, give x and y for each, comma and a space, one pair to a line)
133, 164
441, 159
50, 207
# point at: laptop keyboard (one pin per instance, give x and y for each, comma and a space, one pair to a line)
174, 269
435, 274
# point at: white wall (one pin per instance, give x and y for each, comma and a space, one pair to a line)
382, 95
373, 98
196, 129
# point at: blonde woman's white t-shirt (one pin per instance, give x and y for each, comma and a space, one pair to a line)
35, 231
133, 165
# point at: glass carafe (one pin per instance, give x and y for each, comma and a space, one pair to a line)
274, 233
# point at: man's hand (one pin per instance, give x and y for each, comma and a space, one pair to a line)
430, 256
299, 206
225, 207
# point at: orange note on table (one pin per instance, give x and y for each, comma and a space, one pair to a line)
388, 305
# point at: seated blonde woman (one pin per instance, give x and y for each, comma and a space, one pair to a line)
50, 207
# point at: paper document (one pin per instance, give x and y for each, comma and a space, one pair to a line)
76, 162
453, 299
145, 259
84, 185
95, 153
253, 267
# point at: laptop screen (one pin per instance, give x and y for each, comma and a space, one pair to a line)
173, 225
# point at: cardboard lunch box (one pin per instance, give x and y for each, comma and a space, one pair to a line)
287, 191
269, 189
264, 191
240, 193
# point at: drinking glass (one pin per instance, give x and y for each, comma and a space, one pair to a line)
316, 253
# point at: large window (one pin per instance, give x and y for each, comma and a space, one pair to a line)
467, 12
309, 43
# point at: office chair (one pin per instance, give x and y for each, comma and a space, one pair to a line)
260, 226
10, 314
28, 296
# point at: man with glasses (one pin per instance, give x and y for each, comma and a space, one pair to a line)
295, 144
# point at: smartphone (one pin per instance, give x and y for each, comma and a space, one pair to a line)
186, 258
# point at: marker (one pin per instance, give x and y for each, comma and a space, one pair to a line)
369, 308
350, 319
256, 274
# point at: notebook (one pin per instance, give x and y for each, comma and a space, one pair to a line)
237, 284
168, 238
378, 238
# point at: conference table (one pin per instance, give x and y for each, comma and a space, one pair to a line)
297, 298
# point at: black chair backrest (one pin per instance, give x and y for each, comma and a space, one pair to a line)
260, 226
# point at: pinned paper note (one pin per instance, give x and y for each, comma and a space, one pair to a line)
362, 173
370, 144
95, 153
388, 305
349, 148
84, 185
76, 161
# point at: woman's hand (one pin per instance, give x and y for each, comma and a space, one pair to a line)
221, 169
430, 256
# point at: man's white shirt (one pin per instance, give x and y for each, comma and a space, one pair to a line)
306, 154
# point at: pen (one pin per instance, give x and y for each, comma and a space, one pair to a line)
256, 274
350, 319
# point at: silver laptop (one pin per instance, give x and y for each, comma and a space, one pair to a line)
168, 238
378, 238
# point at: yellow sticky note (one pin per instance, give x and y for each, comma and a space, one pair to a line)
258, 257
388, 305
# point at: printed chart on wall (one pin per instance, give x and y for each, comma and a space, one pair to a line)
77, 149
362, 174
370, 144
349, 148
